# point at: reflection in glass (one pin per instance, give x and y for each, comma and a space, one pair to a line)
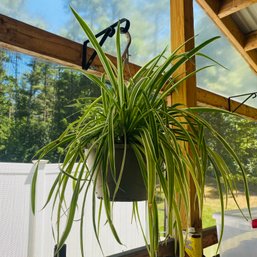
38, 100
149, 21
238, 78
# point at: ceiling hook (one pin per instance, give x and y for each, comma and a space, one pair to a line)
108, 32
249, 95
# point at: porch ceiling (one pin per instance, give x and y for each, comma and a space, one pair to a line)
237, 19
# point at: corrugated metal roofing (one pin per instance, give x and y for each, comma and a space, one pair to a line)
246, 19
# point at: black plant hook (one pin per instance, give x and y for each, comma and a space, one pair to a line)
248, 96
108, 32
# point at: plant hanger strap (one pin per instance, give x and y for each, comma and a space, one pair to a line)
108, 32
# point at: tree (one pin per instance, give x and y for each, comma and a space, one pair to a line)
240, 133
30, 129
149, 31
6, 87
69, 87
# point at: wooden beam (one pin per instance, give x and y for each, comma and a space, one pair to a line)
24, 38
229, 7
227, 25
231, 31
251, 42
209, 236
168, 249
214, 5
210, 99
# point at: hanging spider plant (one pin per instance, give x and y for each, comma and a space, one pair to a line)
134, 113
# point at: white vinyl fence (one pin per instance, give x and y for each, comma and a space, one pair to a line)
24, 235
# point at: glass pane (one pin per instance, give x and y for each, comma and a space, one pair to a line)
241, 135
38, 99
238, 78
149, 21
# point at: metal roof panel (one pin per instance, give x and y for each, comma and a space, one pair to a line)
246, 19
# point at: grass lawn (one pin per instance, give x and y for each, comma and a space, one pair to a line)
212, 202
212, 205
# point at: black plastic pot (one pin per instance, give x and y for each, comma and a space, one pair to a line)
132, 187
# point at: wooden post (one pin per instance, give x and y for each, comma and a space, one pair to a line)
182, 29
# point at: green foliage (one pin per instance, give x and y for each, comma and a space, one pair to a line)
37, 105
26, 140
70, 88
241, 134
5, 102
134, 113
101, 14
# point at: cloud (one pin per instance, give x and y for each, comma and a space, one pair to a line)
11, 5
13, 8
150, 32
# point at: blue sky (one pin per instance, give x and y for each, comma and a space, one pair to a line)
54, 16
52, 11
51, 15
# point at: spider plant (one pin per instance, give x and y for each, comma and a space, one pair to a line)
135, 113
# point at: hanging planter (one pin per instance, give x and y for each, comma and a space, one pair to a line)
131, 186
155, 137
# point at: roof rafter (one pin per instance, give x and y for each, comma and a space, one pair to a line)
228, 26
228, 7
251, 42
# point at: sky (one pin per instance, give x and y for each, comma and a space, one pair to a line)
48, 14
50, 11
238, 77
147, 40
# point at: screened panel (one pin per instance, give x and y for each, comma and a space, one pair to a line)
38, 99
149, 29
241, 134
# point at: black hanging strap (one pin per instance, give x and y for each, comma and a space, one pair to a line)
108, 32
61, 252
